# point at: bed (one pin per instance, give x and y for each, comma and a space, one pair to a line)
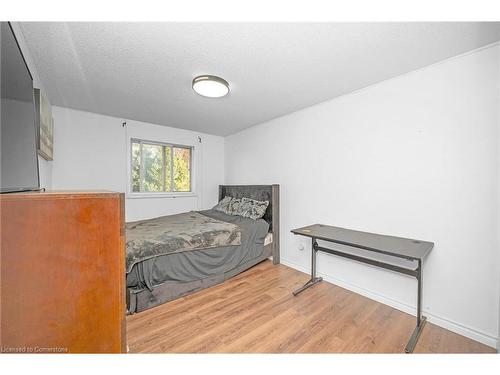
208, 248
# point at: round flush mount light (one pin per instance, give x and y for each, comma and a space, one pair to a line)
210, 86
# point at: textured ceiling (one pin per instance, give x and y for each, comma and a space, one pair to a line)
143, 71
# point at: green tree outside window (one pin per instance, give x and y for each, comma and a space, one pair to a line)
160, 167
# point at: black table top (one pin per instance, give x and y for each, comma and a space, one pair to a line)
390, 245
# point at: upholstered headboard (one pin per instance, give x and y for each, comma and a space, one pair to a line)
269, 193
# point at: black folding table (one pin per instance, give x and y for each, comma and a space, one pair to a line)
391, 247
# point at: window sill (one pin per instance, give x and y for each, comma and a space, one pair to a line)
161, 195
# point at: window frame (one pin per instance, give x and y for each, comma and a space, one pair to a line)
170, 193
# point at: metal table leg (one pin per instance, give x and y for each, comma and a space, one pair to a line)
421, 320
313, 280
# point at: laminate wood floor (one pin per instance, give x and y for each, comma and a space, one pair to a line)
255, 312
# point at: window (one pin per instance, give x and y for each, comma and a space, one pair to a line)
160, 167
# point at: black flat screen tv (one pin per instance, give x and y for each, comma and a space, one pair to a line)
18, 133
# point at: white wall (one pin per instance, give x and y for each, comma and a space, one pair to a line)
415, 156
44, 166
498, 202
91, 152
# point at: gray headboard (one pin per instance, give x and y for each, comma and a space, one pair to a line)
269, 193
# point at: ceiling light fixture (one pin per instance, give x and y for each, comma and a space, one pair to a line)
210, 86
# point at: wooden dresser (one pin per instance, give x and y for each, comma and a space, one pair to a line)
62, 272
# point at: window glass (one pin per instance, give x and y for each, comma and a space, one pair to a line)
182, 161
152, 157
136, 167
168, 168
160, 167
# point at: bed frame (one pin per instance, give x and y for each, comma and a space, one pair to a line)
138, 301
269, 193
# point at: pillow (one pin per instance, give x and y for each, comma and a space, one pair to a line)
250, 208
223, 205
234, 206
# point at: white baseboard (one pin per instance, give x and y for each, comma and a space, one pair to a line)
433, 318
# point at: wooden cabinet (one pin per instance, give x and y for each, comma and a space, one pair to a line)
62, 272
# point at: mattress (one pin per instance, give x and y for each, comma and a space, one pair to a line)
268, 239
189, 266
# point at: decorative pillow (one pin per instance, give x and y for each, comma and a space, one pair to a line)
251, 208
223, 205
234, 206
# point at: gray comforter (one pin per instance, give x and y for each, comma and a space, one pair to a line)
177, 233
201, 263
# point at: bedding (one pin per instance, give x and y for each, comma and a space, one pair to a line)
223, 205
251, 208
191, 266
188, 231
245, 207
268, 239
234, 205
